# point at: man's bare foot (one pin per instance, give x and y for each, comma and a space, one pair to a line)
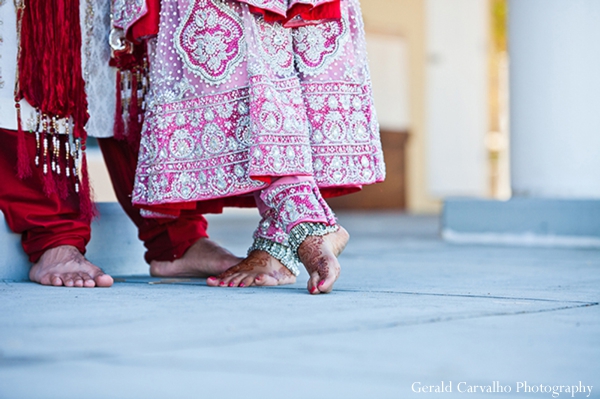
319, 256
204, 258
65, 265
258, 269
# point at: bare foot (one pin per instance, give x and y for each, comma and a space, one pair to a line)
259, 269
319, 256
204, 258
65, 265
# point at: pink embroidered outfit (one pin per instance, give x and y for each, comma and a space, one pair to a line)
243, 107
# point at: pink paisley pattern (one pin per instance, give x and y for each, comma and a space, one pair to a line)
277, 102
313, 47
209, 40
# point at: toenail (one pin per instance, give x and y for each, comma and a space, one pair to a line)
231, 284
321, 283
242, 285
222, 283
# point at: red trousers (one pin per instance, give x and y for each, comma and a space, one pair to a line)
165, 239
44, 221
47, 221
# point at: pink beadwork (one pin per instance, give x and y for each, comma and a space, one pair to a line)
296, 203
209, 40
288, 202
276, 6
314, 47
127, 12
270, 101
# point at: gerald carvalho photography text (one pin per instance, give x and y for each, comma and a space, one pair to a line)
556, 390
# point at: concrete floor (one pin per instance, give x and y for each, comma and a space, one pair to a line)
409, 310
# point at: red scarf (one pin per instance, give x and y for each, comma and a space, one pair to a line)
50, 75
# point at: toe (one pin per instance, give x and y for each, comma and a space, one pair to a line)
313, 282
45, 280
156, 268
237, 279
212, 281
56, 281
223, 283
88, 281
227, 279
103, 280
77, 281
247, 281
68, 280
223, 279
325, 285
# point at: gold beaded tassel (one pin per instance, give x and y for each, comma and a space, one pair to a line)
139, 93
143, 88
45, 144
52, 148
57, 152
68, 150
125, 98
37, 140
76, 163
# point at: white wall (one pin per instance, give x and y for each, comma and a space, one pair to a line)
99, 177
389, 73
555, 97
457, 96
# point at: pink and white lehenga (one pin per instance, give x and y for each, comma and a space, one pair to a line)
243, 108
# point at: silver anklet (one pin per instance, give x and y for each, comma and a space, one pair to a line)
282, 253
300, 231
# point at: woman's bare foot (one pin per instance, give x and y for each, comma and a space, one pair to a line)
258, 269
65, 265
204, 258
319, 256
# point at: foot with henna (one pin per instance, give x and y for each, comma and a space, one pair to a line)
66, 266
258, 269
319, 256
203, 259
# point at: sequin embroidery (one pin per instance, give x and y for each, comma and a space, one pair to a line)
210, 40
266, 117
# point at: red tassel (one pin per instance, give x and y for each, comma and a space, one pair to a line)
49, 183
50, 75
119, 126
131, 85
87, 208
61, 179
133, 124
62, 186
23, 161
